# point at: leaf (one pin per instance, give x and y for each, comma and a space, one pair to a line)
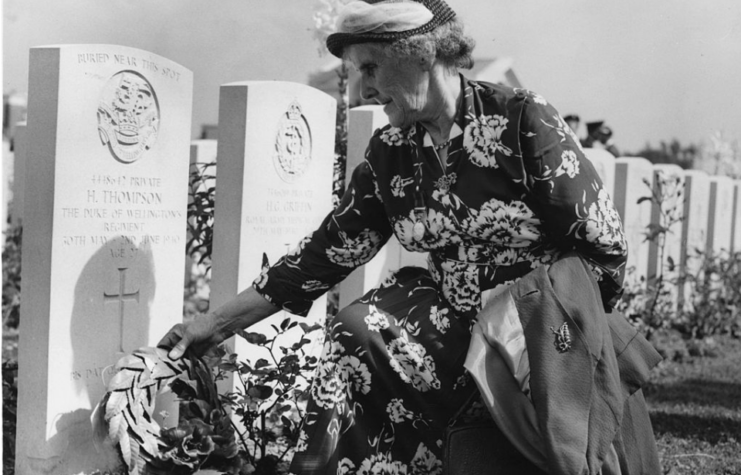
123, 380
299, 344
163, 371
309, 328
124, 445
260, 391
116, 424
144, 380
130, 362
289, 359
228, 366
255, 338
135, 458
245, 368
200, 408
286, 421
670, 261
206, 385
116, 404
182, 389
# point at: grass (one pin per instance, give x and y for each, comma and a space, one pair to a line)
694, 399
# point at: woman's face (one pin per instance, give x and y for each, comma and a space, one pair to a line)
401, 85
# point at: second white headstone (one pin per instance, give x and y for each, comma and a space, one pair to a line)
273, 183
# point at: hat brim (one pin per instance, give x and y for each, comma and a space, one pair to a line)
441, 14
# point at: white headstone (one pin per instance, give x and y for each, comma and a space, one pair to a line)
736, 241
604, 163
20, 149
696, 200
665, 262
694, 226
273, 183
630, 187
720, 220
363, 121
104, 230
203, 156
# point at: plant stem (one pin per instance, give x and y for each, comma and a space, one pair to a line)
242, 441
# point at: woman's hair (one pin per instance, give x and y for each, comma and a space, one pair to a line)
447, 43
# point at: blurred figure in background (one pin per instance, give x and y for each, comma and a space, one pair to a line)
600, 136
572, 120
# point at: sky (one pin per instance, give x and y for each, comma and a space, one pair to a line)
653, 70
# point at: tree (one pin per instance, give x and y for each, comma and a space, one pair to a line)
719, 156
672, 152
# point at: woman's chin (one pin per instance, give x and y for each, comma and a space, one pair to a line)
396, 119
389, 109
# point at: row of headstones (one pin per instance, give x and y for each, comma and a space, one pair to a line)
702, 213
105, 155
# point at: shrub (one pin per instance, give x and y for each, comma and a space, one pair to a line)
199, 243
201, 203
649, 303
713, 301
12, 276
271, 393
10, 403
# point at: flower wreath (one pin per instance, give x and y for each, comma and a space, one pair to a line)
124, 417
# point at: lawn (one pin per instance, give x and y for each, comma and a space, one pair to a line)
695, 401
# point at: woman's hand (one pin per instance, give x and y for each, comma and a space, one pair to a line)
200, 334
208, 330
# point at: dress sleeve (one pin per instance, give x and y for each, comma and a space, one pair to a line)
348, 237
576, 211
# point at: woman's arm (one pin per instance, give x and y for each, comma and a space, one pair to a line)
576, 211
349, 236
210, 329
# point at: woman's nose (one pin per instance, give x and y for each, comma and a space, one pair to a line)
367, 91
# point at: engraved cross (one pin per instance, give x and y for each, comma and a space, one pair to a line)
121, 297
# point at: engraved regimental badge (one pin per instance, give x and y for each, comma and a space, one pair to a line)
292, 144
128, 116
563, 338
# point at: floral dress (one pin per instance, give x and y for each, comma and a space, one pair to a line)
514, 192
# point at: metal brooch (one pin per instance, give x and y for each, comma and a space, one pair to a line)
563, 338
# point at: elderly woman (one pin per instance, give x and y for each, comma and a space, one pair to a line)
489, 180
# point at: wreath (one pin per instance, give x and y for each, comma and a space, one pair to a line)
124, 418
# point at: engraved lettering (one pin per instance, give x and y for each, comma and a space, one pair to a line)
92, 58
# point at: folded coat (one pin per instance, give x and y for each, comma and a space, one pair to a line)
585, 413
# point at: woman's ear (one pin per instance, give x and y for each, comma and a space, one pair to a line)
426, 62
